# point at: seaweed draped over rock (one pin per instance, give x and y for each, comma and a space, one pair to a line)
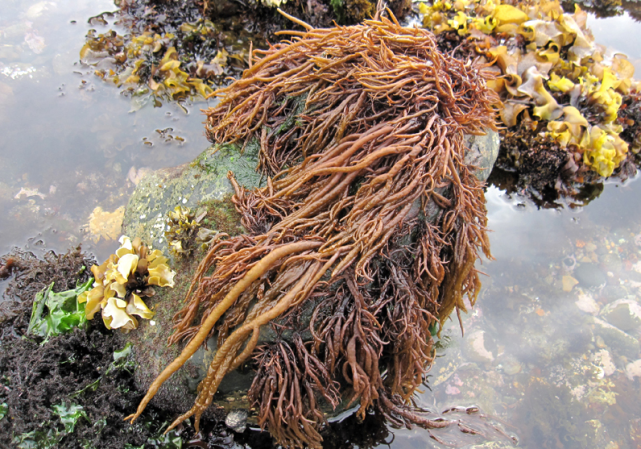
369, 213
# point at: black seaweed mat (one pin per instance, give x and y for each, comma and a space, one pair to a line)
34, 377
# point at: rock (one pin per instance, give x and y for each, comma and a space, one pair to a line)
616, 339
483, 151
613, 291
236, 420
589, 275
205, 179
203, 185
624, 314
631, 275
191, 185
612, 262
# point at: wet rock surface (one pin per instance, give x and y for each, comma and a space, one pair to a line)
482, 154
203, 185
191, 185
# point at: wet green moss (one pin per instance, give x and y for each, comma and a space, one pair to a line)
222, 216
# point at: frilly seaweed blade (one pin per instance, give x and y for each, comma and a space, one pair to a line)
550, 74
122, 281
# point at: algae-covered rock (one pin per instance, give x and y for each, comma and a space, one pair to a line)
203, 185
201, 182
616, 339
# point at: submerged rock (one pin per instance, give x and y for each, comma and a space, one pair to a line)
479, 348
624, 314
590, 275
236, 420
616, 339
202, 185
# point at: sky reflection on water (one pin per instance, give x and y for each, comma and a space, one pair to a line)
70, 140
619, 33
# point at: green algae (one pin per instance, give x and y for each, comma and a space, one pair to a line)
553, 415
57, 313
222, 216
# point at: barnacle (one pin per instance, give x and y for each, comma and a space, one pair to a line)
121, 282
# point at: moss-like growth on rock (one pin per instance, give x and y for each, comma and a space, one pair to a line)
223, 216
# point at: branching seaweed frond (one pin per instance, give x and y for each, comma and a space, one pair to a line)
369, 211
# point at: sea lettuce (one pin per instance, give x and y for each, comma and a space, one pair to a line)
57, 313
